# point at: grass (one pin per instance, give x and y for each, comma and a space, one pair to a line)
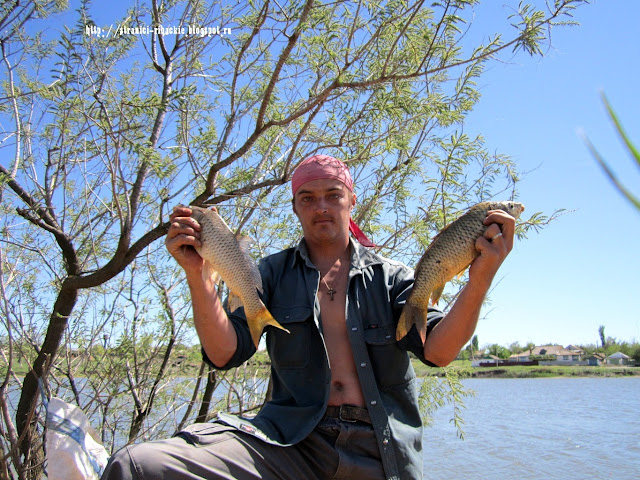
463, 366
536, 371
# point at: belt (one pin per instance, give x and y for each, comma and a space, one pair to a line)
348, 413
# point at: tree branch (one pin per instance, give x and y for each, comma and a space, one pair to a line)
281, 61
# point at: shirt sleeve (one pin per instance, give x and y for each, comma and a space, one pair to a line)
403, 279
245, 349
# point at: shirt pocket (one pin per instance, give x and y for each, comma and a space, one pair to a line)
391, 365
380, 334
291, 350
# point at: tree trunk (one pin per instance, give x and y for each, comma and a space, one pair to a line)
206, 397
26, 419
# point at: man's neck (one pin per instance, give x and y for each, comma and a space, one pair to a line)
325, 256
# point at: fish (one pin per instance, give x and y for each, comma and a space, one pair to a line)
449, 254
227, 256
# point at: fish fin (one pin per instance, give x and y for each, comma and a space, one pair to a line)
245, 243
436, 294
258, 321
412, 314
233, 302
461, 272
208, 272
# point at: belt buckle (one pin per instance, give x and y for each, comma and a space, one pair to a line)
342, 419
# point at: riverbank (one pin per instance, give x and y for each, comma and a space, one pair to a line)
463, 367
535, 371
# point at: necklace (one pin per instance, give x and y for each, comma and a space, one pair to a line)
330, 290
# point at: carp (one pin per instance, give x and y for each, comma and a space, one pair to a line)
228, 257
449, 254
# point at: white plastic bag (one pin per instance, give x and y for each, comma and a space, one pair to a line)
73, 449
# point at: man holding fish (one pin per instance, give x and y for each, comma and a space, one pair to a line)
344, 400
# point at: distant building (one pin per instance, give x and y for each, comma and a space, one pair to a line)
560, 355
486, 359
575, 349
596, 360
619, 358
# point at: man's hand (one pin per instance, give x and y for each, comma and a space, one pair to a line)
494, 246
182, 239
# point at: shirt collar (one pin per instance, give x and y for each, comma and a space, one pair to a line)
361, 256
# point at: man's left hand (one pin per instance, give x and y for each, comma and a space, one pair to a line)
494, 246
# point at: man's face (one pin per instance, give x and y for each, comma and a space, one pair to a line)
324, 208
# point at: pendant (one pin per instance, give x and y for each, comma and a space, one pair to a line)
331, 291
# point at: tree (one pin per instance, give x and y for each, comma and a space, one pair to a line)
473, 346
603, 339
105, 130
499, 351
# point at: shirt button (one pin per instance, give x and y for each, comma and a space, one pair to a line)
374, 403
354, 329
363, 364
385, 442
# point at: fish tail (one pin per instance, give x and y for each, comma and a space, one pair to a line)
412, 314
258, 321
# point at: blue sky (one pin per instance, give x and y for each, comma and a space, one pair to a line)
582, 271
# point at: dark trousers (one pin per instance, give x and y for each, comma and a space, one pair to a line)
334, 450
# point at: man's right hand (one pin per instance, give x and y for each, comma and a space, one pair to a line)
182, 239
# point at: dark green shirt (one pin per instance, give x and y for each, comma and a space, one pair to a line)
301, 376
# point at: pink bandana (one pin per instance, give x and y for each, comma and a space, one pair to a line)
324, 166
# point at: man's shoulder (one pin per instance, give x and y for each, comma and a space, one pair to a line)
398, 269
391, 261
375, 257
283, 257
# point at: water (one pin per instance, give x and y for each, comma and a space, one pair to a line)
551, 428
531, 429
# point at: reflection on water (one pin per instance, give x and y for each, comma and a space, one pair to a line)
552, 428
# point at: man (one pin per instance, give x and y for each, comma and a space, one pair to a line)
344, 400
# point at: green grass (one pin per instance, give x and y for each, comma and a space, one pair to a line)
536, 371
463, 366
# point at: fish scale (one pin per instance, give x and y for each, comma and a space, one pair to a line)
448, 255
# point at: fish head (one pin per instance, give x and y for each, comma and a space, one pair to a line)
197, 213
207, 216
512, 208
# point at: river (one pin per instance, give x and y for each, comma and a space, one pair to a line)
544, 428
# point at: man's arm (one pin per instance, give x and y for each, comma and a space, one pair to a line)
451, 334
216, 333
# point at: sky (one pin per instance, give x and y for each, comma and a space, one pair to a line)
582, 271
